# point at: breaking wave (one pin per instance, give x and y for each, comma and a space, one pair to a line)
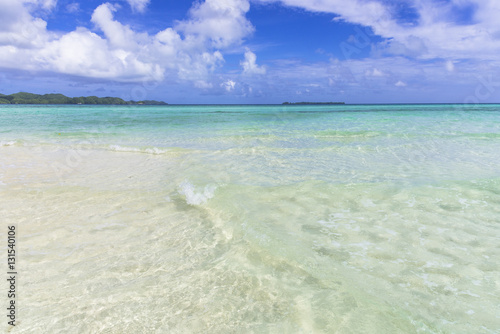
152, 150
194, 196
7, 143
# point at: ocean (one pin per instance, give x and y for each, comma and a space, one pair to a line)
252, 219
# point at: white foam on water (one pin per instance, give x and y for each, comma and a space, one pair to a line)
468, 293
153, 150
7, 143
194, 196
411, 203
119, 148
435, 264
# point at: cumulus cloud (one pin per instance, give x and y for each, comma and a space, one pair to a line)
191, 50
250, 64
84, 53
228, 85
27, 44
119, 36
18, 29
222, 22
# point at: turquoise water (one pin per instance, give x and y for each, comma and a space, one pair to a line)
264, 219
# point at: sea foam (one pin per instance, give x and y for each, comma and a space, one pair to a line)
7, 143
152, 150
194, 197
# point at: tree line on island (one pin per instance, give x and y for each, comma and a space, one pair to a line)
29, 98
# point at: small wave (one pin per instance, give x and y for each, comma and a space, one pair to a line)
7, 143
153, 150
347, 134
194, 197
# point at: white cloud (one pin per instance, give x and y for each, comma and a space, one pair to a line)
43, 4
450, 67
228, 85
436, 32
374, 73
400, 84
18, 29
138, 5
250, 64
73, 7
196, 66
191, 50
118, 35
367, 13
425, 81
203, 84
27, 44
84, 53
221, 22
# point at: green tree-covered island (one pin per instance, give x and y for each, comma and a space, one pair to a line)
29, 98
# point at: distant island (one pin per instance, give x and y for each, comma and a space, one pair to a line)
28, 98
302, 103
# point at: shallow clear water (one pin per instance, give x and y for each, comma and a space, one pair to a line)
265, 219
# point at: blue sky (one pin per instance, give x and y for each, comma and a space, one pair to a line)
254, 51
